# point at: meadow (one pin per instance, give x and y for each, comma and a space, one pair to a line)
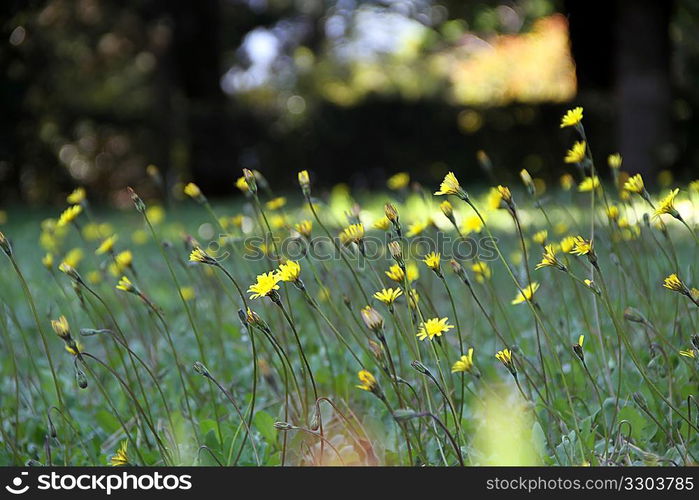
424, 325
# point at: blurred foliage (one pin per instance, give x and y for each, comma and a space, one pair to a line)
96, 90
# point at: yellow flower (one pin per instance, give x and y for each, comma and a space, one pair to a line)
540, 236
73, 257
447, 209
572, 117
526, 178
567, 181
192, 190
588, 184
124, 259
69, 215
549, 259
675, 284
199, 255
382, 224
465, 363
416, 228
94, 277
396, 273
265, 285
155, 214
472, 224
276, 203
433, 327
567, 244
368, 382
576, 154
635, 184
187, 292
505, 357
432, 260
352, 233
107, 245
47, 261
667, 205
412, 272
450, 185
242, 184
526, 294
74, 347
61, 327
482, 271
388, 295
581, 339
582, 246
77, 196
505, 193
304, 178
304, 228
398, 181
289, 271
499, 197
614, 160
121, 457
613, 212
125, 285
688, 353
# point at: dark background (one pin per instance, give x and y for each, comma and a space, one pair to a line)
93, 91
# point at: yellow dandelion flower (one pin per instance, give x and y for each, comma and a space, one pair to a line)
388, 295
588, 184
107, 245
540, 237
124, 259
567, 244
398, 181
367, 381
192, 190
582, 246
289, 271
667, 205
125, 285
505, 357
416, 228
674, 283
472, 224
352, 234
447, 209
572, 117
77, 196
549, 259
199, 255
465, 363
304, 178
576, 154
614, 160
612, 212
412, 271
382, 224
266, 284
450, 185
187, 293
432, 260
635, 184
69, 215
276, 203
304, 228
433, 327
396, 273
121, 457
61, 327
74, 257
242, 184
526, 294
482, 271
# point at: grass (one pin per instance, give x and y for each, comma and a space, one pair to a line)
181, 366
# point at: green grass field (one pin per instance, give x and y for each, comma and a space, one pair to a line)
147, 348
